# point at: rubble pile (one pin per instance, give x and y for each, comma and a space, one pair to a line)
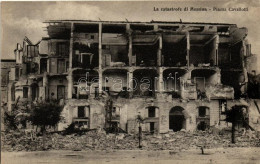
99, 140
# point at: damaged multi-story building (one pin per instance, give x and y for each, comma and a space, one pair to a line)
174, 75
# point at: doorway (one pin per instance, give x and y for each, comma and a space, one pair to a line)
200, 83
35, 91
60, 92
176, 119
43, 65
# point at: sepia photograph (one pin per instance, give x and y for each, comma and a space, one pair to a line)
130, 82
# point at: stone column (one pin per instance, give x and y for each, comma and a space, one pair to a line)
48, 65
130, 40
70, 76
188, 49
218, 75
159, 53
70, 84
71, 46
30, 92
160, 82
130, 82
100, 58
217, 43
100, 45
45, 86
9, 96
100, 80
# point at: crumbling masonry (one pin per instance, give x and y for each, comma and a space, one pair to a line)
174, 75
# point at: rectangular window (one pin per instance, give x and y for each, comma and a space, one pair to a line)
203, 111
17, 71
13, 93
4, 79
62, 49
36, 51
29, 53
81, 111
43, 65
25, 92
32, 51
61, 66
151, 112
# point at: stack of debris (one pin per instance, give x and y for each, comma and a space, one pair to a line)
99, 140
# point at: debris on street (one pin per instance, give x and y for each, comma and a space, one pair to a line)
99, 140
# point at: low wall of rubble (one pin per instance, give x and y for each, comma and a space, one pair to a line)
99, 140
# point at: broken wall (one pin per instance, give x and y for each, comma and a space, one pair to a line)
115, 81
114, 38
96, 115
57, 47
196, 55
223, 54
58, 65
43, 47
54, 82
190, 112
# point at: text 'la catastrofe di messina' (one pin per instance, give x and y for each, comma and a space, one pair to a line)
200, 9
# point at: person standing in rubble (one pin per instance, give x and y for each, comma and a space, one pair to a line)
139, 120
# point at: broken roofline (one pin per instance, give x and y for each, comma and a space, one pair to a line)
26, 39
136, 22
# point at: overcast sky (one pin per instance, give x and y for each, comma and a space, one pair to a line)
19, 19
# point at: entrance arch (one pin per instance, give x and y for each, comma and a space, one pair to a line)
176, 118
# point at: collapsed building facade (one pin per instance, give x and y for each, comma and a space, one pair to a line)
173, 75
6, 66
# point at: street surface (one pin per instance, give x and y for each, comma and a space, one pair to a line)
220, 155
